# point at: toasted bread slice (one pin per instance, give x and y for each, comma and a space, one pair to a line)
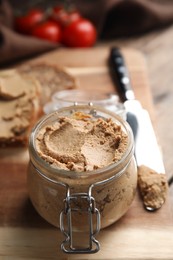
19, 107
51, 77
23, 92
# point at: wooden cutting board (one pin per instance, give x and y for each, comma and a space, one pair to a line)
137, 235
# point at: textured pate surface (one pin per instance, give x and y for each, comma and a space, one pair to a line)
153, 187
81, 143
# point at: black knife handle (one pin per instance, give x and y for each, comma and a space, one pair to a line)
119, 67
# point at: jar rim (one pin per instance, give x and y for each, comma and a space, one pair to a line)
73, 174
68, 96
65, 98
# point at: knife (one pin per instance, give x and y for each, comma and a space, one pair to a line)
147, 152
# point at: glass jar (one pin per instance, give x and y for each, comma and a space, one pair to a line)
82, 201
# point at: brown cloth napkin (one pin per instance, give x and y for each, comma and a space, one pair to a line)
112, 18
122, 18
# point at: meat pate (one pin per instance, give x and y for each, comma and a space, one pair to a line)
81, 143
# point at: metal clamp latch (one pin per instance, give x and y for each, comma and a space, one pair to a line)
84, 204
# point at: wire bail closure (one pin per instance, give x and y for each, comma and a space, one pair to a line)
71, 207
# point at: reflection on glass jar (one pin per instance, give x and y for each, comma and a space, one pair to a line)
85, 200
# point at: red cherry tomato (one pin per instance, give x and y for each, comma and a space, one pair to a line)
48, 30
24, 24
74, 16
80, 33
63, 17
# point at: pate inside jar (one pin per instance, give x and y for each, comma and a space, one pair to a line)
99, 178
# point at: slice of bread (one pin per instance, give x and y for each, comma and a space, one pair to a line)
19, 107
23, 92
51, 77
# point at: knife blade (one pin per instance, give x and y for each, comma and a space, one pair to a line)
147, 151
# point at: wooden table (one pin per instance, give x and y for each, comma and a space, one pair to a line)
139, 234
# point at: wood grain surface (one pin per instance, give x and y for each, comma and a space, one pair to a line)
137, 235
